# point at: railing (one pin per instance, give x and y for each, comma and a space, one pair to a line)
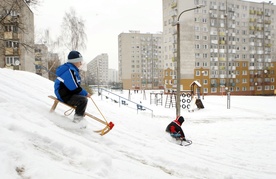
124, 101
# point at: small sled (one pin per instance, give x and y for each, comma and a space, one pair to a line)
186, 142
177, 138
103, 131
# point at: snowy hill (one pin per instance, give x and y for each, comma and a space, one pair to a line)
227, 143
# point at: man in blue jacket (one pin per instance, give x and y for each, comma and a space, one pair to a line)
67, 85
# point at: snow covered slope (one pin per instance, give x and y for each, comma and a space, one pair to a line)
227, 143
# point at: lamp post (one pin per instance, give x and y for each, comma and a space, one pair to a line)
203, 72
263, 81
178, 59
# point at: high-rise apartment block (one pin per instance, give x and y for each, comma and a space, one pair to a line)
140, 60
16, 35
112, 76
226, 45
41, 61
97, 70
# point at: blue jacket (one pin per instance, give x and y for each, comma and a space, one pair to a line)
68, 82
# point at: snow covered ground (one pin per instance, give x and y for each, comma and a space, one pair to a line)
235, 143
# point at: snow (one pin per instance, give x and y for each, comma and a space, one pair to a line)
227, 143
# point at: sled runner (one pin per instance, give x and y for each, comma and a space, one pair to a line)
182, 142
103, 131
186, 142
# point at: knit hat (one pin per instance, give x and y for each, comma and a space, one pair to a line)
74, 57
181, 120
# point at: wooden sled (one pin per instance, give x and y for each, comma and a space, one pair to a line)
103, 131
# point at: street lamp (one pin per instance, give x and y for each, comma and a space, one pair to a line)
203, 72
178, 59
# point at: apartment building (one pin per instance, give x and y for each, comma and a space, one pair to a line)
140, 60
112, 76
97, 70
17, 34
41, 61
226, 45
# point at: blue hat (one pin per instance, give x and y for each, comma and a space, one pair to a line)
74, 57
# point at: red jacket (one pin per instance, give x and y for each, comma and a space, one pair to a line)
175, 126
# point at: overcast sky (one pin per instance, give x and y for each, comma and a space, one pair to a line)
104, 20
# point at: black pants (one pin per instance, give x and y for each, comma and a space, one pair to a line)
80, 102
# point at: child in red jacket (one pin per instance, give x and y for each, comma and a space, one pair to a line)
174, 128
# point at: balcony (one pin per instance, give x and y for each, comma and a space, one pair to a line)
259, 44
213, 7
214, 41
268, 14
12, 51
213, 33
215, 59
231, 9
221, 33
259, 21
214, 16
221, 50
221, 59
222, 8
252, 20
173, 13
214, 85
259, 13
232, 84
215, 68
174, 4
232, 26
259, 36
252, 12
251, 68
251, 28
222, 42
259, 52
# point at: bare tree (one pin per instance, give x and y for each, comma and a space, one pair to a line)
73, 31
10, 14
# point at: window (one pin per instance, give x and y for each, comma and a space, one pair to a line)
11, 60
244, 72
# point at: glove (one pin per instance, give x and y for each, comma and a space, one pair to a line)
175, 135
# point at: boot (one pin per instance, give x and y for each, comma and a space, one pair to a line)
77, 118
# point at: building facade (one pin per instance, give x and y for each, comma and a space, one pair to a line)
140, 60
17, 32
112, 76
97, 70
41, 60
226, 45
